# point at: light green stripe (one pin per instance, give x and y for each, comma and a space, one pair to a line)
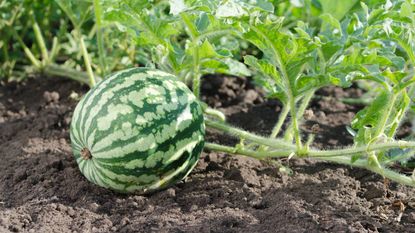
184, 145
96, 93
168, 177
121, 177
98, 179
89, 98
145, 143
111, 183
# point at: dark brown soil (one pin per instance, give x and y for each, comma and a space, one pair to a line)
42, 190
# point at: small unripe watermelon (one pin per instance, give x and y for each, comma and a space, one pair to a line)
138, 130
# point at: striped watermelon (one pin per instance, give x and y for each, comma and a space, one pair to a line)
138, 130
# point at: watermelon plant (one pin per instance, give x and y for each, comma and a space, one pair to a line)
290, 48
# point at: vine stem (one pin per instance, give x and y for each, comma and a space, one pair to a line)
196, 68
382, 124
286, 151
283, 115
41, 42
56, 70
274, 143
100, 39
385, 172
196, 59
300, 113
287, 83
35, 62
86, 60
350, 101
337, 156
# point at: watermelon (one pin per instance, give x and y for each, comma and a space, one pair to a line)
139, 130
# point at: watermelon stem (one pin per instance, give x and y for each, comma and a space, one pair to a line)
341, 156
86, 154
242, 134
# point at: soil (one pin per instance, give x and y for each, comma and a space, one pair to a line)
42, 190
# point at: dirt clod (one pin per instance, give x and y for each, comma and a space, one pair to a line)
51, 96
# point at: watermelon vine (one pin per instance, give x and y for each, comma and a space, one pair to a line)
142, 129
291, 71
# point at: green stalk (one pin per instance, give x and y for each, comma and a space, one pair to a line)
54, 50
286, 80
60, 71
27, 51
6, 50
196, 69
274, 143
362, 149
247, 152
304, 104
322, 61
280, 122
281, 144
294, 122
196, 59
337, 156
405, 156
319, 154
100, 39
300, 113
41, 42
382, 124
351, 101
385, 172
215, 113
86, 59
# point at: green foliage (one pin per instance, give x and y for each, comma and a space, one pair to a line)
338, 9
78, 11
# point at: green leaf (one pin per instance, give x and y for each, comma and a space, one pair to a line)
202, 22
337, 8
177, 6
264, 5
309, 82
267, 77
206, 50
239, 8
295, 67
398, 112
227, 66
231, 8
328, 19
407, 10
78, 11
236, 68
367, 120
265, 68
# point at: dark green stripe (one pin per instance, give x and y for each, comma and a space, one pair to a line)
153, 125
195, 125
137, 86
156, 124
74, 139
193, 159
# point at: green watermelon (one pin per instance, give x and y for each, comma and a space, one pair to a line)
138, 130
